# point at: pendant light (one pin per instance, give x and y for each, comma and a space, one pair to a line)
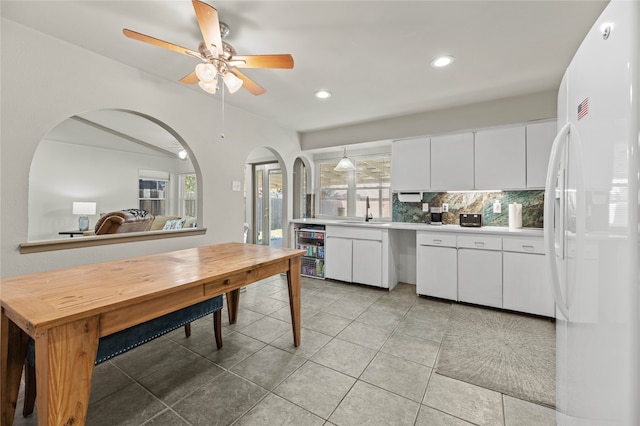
345, 164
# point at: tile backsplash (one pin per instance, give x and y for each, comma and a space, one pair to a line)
474, 202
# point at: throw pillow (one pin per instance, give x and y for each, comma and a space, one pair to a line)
173, 224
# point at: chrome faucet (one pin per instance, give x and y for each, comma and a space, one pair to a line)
368, 216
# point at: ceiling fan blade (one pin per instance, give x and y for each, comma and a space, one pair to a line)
161, 43
190, 78
262, 61
248, 84
209, 25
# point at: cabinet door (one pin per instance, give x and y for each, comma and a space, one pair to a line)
437, 272
337, 262
452, 162
500, 158
411, 165
367, 262
480, 277
526, 288
540, 137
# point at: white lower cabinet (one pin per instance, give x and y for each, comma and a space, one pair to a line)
480, 270
437, 261
358, 255
337, 258
526, 288
367, 262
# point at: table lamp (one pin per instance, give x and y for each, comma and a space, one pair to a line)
84, 209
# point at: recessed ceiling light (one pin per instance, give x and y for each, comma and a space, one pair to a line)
442, 61
323, 94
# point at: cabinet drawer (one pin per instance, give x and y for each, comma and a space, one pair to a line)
435, 239
480, 242
356, 233
523, 245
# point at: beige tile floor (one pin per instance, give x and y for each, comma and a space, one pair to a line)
367, 357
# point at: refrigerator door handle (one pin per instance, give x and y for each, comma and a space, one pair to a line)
549, 206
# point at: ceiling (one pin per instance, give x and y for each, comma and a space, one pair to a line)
374, 56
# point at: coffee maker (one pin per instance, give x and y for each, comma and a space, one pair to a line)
436, 215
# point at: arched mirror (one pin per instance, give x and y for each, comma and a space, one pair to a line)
103, 162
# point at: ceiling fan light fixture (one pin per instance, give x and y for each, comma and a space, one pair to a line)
209, 87
345, 165
206, 73
233, 83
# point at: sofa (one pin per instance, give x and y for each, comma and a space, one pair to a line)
123, 341
136, 220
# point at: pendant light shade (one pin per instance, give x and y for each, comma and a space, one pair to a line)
345, 164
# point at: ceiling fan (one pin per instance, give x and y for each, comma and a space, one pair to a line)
218, 57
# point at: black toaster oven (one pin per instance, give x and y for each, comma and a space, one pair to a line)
470, 219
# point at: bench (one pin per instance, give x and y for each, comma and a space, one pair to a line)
123, 341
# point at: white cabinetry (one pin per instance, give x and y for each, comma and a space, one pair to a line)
367, 262
500, 158
540, 137
337, 258
452, 162
359, 255
437, 261
526, 288
411, 165
480, 270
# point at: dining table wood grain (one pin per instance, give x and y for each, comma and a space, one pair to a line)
66, 311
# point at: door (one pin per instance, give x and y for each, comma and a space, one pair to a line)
267, 202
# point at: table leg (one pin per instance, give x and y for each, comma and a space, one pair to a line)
233, 300
293, 281
65, 357
14, 349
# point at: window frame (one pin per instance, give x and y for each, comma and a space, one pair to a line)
352, 185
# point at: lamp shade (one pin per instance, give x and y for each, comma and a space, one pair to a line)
84, 208
233, 83
206, 73
345, 165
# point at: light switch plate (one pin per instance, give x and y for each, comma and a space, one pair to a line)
445, 207
236, 185
497, 207
425, 207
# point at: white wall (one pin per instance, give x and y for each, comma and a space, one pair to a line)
76, 81
62, 173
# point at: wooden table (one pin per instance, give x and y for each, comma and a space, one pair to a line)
66, 311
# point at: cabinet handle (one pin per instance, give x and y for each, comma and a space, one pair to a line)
437, 241
528, 248
479, 243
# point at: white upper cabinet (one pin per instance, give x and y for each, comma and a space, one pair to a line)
452, 162
540, 137
411, 165
500, 158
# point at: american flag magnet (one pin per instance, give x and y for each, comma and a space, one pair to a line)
583, 108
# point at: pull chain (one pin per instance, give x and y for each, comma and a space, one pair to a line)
222, 131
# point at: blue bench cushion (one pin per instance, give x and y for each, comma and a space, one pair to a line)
129, 338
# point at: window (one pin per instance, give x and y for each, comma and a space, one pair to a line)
188, 193
345, 193
153, 187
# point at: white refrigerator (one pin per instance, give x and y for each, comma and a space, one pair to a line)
591, 225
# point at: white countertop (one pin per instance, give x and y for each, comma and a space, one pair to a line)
495, 230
